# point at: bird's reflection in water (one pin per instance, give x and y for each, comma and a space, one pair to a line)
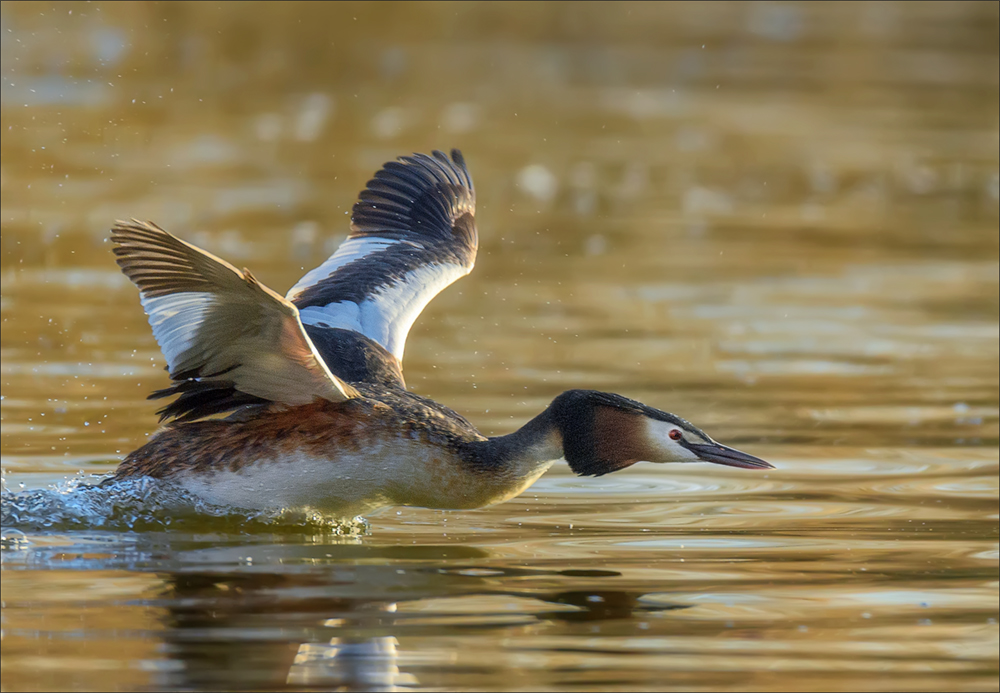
338, 627
362, 664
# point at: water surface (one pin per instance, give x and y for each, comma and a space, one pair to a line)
776, 220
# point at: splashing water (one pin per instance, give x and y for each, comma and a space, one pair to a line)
87, 502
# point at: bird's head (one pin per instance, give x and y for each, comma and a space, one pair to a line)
603, 432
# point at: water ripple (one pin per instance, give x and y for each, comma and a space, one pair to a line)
145, 504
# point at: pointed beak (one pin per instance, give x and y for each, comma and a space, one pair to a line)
720, 454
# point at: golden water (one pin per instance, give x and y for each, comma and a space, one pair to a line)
779, 221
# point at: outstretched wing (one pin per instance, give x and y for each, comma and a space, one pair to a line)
228, 339
413, 232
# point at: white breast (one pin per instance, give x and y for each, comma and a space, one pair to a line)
403, 471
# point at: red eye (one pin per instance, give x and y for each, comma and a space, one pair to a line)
675, 434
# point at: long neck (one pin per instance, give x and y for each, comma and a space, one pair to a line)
596, 432
529, 450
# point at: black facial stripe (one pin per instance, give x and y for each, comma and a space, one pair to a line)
621, 402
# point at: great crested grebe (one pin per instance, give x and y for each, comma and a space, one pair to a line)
321, 417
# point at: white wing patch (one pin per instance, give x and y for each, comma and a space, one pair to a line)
350, 250
175, 319
387, 315
413, 233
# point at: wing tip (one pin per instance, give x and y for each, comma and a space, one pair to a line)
428, 192
133, 225
454, 168
132, 235
456, 159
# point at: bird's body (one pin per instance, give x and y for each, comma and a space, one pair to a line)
318, 412
385, 447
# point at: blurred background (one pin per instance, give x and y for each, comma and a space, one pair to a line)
776, 219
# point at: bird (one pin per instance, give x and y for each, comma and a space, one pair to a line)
299, 401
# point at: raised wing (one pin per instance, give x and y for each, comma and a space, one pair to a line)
413, 232
228, 339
